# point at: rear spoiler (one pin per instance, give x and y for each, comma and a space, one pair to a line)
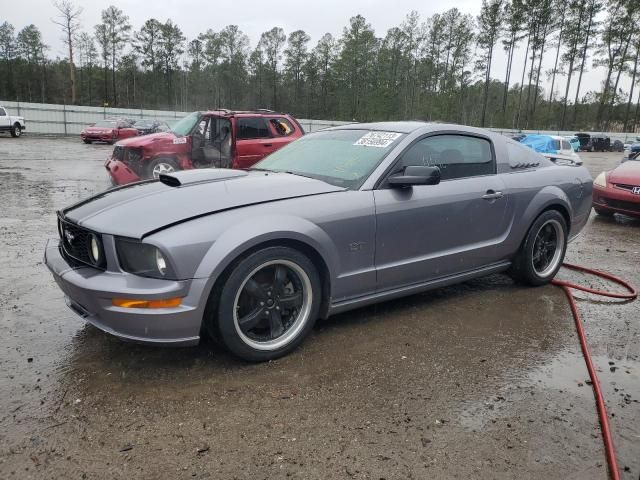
560, 159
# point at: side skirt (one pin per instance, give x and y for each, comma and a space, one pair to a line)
378, 297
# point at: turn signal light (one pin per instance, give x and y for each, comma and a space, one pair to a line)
136, 303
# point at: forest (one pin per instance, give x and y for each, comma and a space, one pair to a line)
436, 68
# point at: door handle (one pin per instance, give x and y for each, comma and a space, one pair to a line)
492, 195
266, 145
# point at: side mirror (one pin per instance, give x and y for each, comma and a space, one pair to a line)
416, 175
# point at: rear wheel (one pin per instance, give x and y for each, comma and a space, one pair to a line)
542, 252
16, 130
267, 304
159, 166
86, 140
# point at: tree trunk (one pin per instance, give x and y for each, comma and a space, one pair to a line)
507, 78
615, 86
555, 65
524, 71
113, 76
635, 117
584, 59
566, 95
72, 70
487, 78
535, 93
633, 82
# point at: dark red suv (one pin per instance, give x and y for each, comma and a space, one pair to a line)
219, 138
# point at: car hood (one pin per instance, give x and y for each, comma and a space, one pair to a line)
138, 209
627, 173
164, 137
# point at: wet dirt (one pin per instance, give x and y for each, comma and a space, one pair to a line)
479, 380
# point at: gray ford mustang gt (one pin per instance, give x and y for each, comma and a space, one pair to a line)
338, 219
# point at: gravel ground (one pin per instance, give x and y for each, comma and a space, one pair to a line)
480, 380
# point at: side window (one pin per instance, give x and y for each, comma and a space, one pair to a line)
458, 156
252, 127
2, 112
282, 126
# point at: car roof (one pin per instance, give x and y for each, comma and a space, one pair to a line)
223, 112
408, 127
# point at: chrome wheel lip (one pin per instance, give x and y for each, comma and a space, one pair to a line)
557, 254
301, 320
162, 168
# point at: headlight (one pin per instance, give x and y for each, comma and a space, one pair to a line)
96, 253
161, 263
601, 180
142, 259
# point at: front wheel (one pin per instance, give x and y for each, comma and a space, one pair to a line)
16, 131
268, 304
542, 252
159, 166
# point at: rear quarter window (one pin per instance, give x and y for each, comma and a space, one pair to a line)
281, 126
251, 127
520, 154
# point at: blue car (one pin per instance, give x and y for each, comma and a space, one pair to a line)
575, 142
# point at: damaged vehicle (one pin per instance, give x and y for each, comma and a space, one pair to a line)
218, 139
342, 218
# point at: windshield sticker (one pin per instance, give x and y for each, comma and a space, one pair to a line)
179, 140
377, 139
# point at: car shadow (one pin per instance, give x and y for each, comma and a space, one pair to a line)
482, 312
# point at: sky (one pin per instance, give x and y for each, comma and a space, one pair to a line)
256, 16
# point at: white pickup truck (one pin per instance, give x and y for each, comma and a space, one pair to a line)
9, 123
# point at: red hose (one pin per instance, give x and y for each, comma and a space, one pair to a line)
602, 411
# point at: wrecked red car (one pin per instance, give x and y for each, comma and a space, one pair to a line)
109, 131
218, 139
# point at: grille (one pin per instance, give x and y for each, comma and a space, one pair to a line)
133, 159
75, 242
632, 207
118, 153
625, 186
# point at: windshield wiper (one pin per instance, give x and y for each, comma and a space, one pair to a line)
256, 169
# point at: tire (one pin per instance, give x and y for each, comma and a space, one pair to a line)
87, 141
529, 265
161, 165
278, 314
603, 213
16, 130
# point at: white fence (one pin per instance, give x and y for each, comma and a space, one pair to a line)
46, 118
51, 119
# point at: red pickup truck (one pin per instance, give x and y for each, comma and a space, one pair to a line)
218, 138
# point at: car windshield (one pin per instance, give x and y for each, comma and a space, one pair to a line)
340, 157
144, 123
184, 126
106, 124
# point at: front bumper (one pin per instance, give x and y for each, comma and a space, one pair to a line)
616, 200
120, 173
89, 293
95, 137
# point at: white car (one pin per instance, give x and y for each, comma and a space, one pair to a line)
9, 123
562, 145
